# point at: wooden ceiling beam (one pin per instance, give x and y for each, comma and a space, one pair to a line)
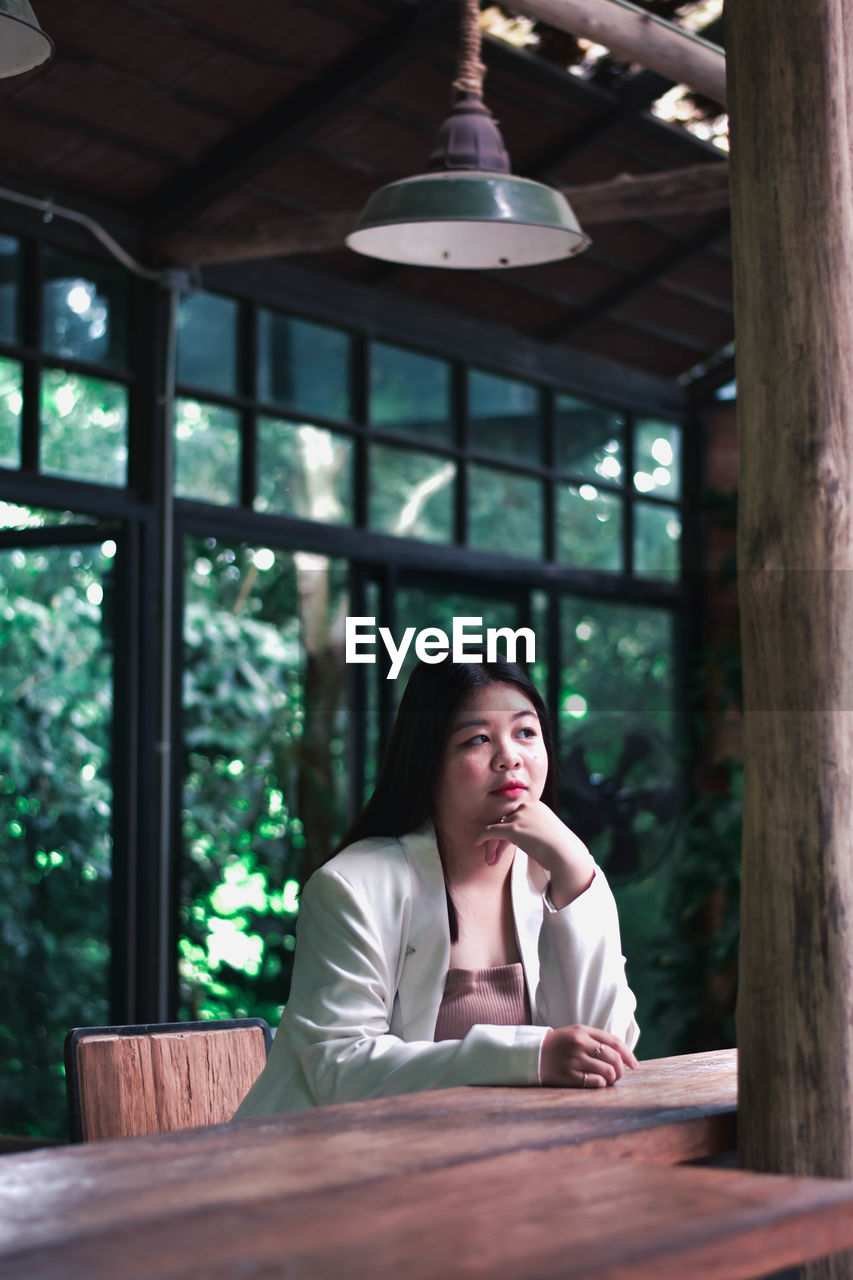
611, 299
695, 190
635, 35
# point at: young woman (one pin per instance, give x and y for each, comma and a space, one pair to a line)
463, 934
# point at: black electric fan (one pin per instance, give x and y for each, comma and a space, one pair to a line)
622, 793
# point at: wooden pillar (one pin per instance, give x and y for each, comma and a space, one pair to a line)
790, 83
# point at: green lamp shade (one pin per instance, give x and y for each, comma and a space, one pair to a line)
23, 44
472, 220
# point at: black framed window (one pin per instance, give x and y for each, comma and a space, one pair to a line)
323, 466
65, 376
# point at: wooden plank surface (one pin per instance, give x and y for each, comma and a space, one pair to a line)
669, 1109
528, 1214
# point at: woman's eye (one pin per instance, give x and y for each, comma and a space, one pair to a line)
475, 741
527, 733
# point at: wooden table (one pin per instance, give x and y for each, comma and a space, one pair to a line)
460, 1182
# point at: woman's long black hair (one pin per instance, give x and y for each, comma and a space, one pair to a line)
402, 799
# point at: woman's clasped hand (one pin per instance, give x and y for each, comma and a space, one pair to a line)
583, 1057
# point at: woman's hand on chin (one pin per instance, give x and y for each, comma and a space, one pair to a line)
536, 829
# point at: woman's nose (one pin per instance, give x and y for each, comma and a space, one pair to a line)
506, 755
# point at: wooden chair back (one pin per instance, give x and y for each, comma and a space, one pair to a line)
126, 1081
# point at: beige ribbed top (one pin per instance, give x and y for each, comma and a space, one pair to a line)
496, 997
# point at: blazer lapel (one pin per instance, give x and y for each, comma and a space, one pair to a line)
426, 954
528, 884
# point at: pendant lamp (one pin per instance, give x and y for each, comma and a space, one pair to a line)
23, 44
468, 210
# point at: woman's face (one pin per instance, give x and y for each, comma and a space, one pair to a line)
493, 761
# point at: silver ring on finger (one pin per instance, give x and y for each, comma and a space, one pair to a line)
596, 1053
583, 1086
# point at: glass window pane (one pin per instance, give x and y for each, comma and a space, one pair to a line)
10, 413
621, 775
83, 428
85, 309
505, 512
207, 342
266, 745
589, 440
207, 452
657, 540
410, 393
55, 815
411, 493
13, 516
616, 659
427, 606
505, 417
657, 458
589, 527
305, 471
303, 365
10, 285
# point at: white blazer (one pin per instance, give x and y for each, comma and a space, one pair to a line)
371, 960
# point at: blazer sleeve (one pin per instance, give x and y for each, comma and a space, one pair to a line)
581, 966
339, 1012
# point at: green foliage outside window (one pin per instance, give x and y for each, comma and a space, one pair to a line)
657, 458
505, 512
241, 838
305, 471
265, 732
207, 452
619, 742
55, 814
589, 527
84, 309
657, 541
83, 428
411, 494
590, 440
10, 413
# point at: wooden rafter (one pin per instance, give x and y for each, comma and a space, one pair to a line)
694, 190
637, 36
611, 299
253, 148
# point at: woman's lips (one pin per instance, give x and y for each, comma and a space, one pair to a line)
510, 789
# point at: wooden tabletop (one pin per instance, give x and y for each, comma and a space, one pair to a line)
669, 1109
467, 1182
548, 1214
